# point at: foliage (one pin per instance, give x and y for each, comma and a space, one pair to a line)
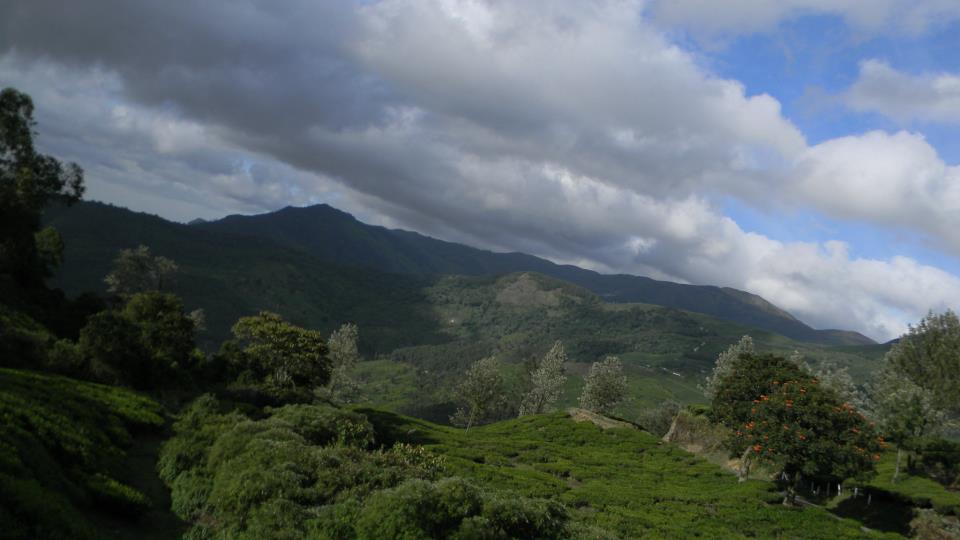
148, 344
724, 364
622, 480
29, 181
454, 508
137, 271
481, 393
905, 411
746, 378
805, 430
238, 477
929, 355
547, 381
604, 387
62, 443
659, 419
276, 357
344, 355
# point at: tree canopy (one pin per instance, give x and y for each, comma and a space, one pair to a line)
29, 181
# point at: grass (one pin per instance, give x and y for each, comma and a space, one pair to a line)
622, 480
915, 489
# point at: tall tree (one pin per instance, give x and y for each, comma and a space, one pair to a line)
481, 392
547, 382
929, 355
29, 181
905, 411
137, 270
344, 355
724, 364
604, 387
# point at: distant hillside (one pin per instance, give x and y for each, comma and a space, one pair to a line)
337, 236
423, 330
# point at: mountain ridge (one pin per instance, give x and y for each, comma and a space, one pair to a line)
332, 234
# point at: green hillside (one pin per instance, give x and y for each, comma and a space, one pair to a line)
622, 480
75, 460
427, 328
334, 235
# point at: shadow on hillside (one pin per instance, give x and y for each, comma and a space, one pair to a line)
882, 514
391, 428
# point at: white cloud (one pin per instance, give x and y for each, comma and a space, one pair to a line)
892, 180
929, 97
732, 17
575, 131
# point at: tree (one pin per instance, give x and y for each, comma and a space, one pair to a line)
277, 356
806, 431
147, 344
547, 380
905, 411
343, 356
604, 387
724, 362
29, 182
481, 392
137, 270
746, 378
929, 355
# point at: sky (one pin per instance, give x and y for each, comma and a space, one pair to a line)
803, 150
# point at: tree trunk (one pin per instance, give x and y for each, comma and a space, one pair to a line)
744, 466
896, 471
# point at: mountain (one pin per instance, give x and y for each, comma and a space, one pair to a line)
334, 235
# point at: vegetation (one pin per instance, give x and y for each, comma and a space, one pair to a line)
62, 454
546, 382
622, 480
481, 394
137, 270
276, 359
929, 355
604, 387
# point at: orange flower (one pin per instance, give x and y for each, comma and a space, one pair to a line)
757, 448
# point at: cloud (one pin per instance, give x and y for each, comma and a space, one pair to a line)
734, 17
891, 180
931, 97
575, 131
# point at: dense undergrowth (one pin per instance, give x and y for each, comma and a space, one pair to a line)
62, 444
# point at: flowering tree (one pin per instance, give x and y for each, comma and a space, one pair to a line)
806, 431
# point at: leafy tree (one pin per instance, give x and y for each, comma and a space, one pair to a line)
929, 355
905, 411
547, 380
344, 356
724, 364
147, 344
110, 344
746, 378
277, 356
29, 181
137, 270
605, 386
481, 392
806, 431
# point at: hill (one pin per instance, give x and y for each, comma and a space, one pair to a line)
334, 235
424, 330
623, 480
